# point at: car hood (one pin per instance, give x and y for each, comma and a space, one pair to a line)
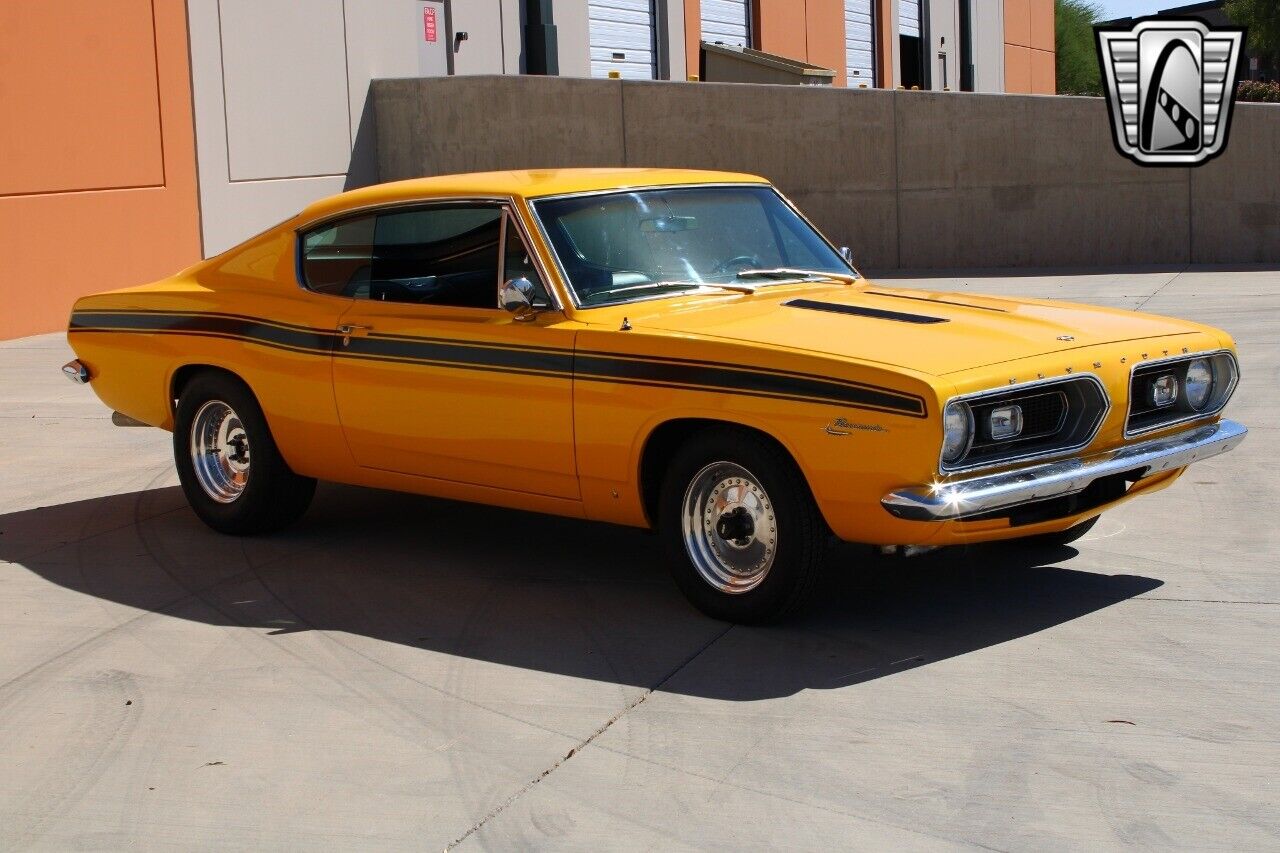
936, 333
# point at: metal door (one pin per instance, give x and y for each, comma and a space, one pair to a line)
622, 38
859, 43
726, 21
909, 18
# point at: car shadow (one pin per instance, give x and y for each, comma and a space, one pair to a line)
541, 593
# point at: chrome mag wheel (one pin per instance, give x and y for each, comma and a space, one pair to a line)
730, 531
220, 451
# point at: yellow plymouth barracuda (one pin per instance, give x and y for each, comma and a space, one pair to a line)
670, 349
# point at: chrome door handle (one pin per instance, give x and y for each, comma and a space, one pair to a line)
349, 330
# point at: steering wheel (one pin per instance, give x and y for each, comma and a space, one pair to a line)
741, 262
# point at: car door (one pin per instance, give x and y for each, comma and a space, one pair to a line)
430, 376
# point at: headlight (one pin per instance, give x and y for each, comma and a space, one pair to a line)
957, 431
1198, 383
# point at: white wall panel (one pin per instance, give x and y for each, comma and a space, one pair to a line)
279, 90
944, 29
484, 50
283, 61
988, 47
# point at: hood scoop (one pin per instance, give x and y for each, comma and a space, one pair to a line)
860, 311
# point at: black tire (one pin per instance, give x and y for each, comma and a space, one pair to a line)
272, 495
1062, 537
802, 537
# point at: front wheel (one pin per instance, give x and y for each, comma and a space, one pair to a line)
742, 535
230, 469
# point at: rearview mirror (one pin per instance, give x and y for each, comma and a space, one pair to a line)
668, 224
516, 296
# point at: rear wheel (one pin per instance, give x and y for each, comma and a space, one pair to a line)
742, 535
230, 469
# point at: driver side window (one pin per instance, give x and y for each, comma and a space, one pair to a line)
444, 254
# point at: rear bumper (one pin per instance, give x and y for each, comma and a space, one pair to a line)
76, 372
959, 499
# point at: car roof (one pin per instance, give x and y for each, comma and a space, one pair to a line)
527, 183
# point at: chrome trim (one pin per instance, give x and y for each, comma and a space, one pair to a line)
732, 560
1044, 454
798, 275
963, 498
564, 276
509, 204
221, 457
76, 372
1195, 416
816, 230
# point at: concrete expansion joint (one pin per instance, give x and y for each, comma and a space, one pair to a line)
635, 703
1157, 291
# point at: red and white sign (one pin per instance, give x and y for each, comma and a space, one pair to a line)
429, 23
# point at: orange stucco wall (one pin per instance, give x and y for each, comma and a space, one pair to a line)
809, 30
97, 177
885, 43
1029, 58
693, 36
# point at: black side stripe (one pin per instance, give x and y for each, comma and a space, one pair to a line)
720, 377
617, 368
453, 355
221, 325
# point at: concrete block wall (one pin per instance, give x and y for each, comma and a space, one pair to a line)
907, 179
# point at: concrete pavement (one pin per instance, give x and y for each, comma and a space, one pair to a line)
403, 672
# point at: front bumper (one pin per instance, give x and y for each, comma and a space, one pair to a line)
959, 499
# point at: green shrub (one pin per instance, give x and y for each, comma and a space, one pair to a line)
1077, 60
1256, 90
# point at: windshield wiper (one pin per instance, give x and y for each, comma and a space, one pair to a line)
736, 288
790, 273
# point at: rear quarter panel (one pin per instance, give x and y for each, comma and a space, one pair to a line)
132, 371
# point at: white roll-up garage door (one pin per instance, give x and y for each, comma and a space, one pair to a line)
859, 46
621, 36
725, 21
909, 18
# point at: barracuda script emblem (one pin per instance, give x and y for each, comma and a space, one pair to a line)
840, 426
1170, 86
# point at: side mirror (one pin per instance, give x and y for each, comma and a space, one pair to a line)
847, 254
516, 296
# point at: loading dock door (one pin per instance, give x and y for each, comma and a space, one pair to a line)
621, 37
859, 46
725, 21
909, 18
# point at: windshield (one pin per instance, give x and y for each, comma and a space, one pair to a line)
643, 243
